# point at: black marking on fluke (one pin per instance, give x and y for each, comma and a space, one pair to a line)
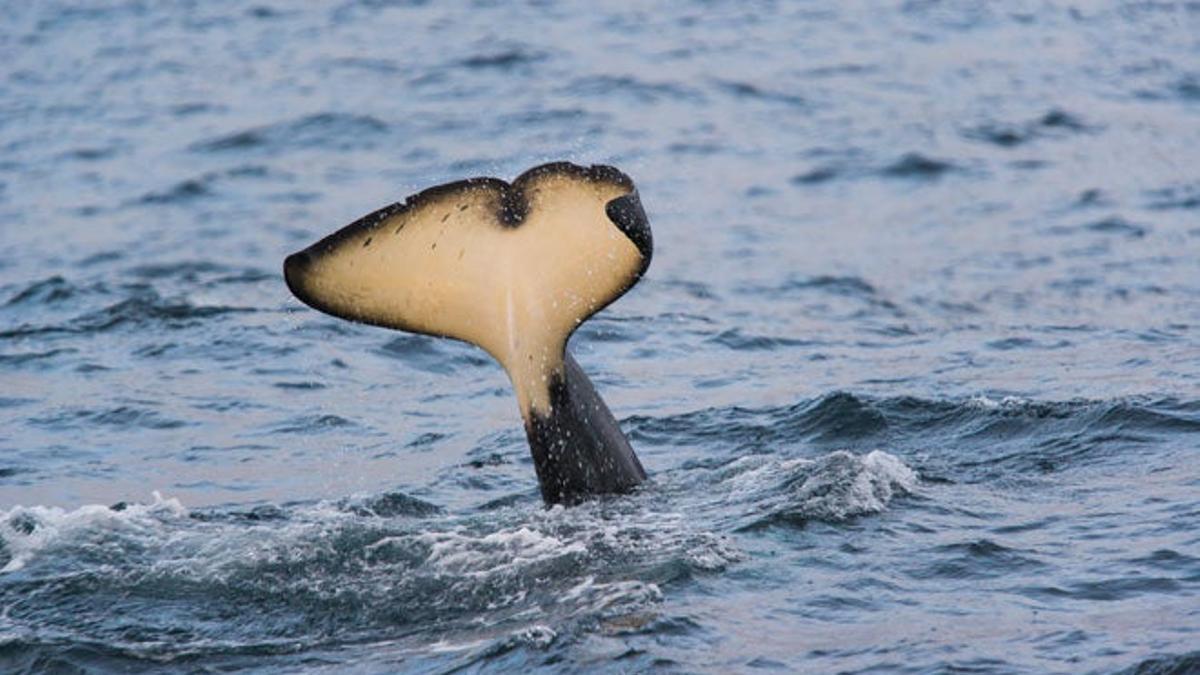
577, 445
579, 449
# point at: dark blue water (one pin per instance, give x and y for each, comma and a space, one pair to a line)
916, 368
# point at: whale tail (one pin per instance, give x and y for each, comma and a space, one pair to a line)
515, 269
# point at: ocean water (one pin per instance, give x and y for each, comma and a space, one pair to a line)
915, 370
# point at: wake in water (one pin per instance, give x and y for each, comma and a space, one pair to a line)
851, 535
160, 582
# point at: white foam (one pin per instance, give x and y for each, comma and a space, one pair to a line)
843, 485
612, 597
538, 636
1007, 403
508, 572
54, 527
495, 553
834, 487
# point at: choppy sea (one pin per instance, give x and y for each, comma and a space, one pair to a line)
915, 370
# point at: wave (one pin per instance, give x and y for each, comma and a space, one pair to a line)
28, 531
746, 90
911, 166
502, 60
1184, 196
51, 290
737, 340
432, 355
633, 88
324, 130
159, 581
140, 306
1054, 123
1166, 665
204, 272
168, 584
914, 165
833, 488
123, 417
968, 440
210, 184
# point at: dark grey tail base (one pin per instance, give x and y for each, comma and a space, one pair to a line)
579, 449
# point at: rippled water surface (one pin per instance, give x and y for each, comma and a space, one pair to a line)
916, 368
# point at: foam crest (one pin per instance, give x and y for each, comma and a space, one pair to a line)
835, 487
612, 598
312, 568
27, 532
842, 485
982, 402
495, 553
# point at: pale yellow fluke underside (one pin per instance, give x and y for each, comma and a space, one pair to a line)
449, 267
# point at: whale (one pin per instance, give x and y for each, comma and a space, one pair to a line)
513, 268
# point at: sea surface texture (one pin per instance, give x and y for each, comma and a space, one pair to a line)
915, 370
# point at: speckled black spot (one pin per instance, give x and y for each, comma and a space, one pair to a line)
579, 449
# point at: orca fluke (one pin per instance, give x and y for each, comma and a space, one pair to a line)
515, 269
